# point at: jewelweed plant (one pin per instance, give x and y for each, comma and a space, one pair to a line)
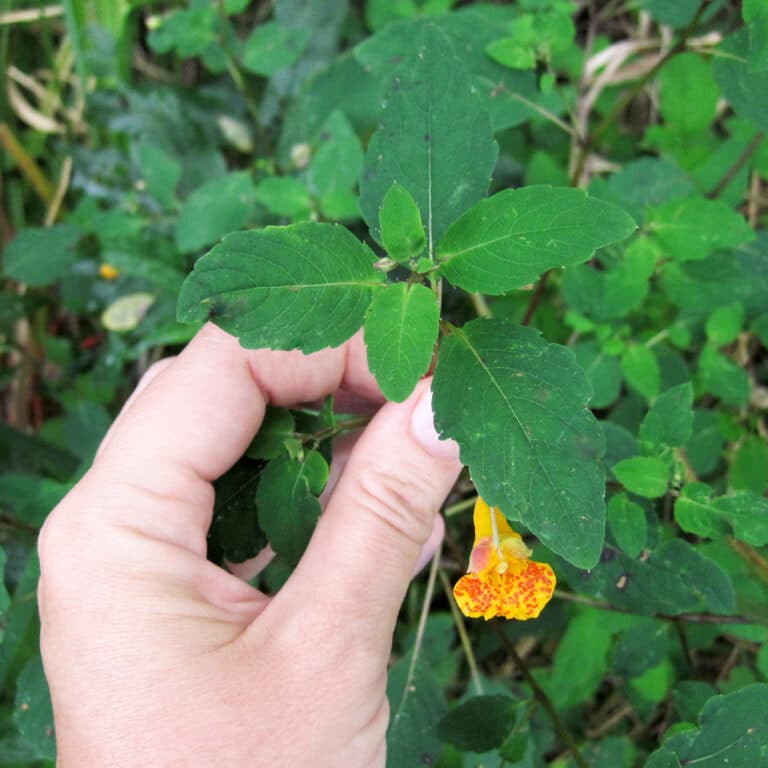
554, 207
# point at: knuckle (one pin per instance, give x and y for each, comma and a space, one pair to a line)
404, 504
61, 545
154, 370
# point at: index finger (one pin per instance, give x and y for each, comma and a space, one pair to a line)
198, 415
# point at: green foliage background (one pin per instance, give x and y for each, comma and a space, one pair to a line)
628, 366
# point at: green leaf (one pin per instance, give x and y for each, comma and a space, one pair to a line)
641, 370
662, 759
400, 333
402, 232
627, 523
671, 579
20, 620
416, 705
705, 446
160, 172
691, 229
641, 647
235, 533
755, 14
379, 13
745, 90
581, 658
749, 468
508, 240
213, 210
654, 684
28, 499
287, 502
759, 326
616, 291
677, 14
724, 324
41, 256
744, 512
699, 286
306, 286
277, 427
273, 46
510, 52
723, 378
235, 6
517, 407
189, 32
603, 372
731, 732
337, 160
284, 196
5, 598
669, 422
649, 181
688, 93
646, 476
544, 168
479, 724
33, 713
434, 132
470, 30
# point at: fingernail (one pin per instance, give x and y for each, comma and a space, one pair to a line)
423, 431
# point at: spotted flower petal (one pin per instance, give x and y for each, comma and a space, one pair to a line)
502, 581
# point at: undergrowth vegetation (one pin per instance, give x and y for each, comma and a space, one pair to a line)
557, 207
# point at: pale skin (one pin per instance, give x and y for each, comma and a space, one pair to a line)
157, 657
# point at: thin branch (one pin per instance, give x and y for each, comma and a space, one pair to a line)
61, 189
622, 103
461, 628
693, 618
31, 15
481, 305
419, 640
538, 292
541, 696
27, 165
738, 164
460, 506
545, 113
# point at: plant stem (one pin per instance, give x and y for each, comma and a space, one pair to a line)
342, 426
694, 618
622, 103
739, 163
481, 305
461, 628
538, 291
541, 696
751, 556
27, 165
419, 639
460, 506
31, 15
545, 113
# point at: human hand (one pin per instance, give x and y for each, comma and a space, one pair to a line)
157, 657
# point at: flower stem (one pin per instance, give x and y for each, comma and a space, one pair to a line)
461, 628
494, 529
420, 629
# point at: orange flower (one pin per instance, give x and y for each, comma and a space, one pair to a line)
108, 272
501, 580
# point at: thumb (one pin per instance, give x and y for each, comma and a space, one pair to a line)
367, 543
